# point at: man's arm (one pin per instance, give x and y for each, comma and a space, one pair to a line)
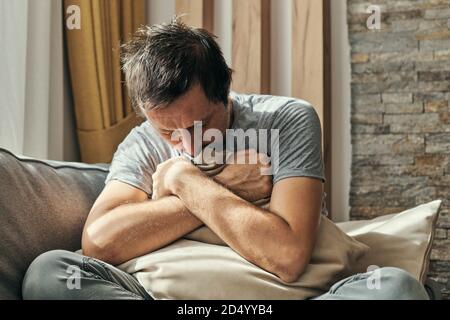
279, 240
124, 224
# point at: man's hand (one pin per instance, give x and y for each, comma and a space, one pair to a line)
243, 177
167, 174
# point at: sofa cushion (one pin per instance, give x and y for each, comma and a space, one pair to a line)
43, 206
202, 266
401, 240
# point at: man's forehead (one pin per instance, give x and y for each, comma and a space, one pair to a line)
167, 119
183, 111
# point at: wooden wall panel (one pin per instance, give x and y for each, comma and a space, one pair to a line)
199, 13
311, 67
251, 46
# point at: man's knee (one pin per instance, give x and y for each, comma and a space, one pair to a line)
398, 284
47, 276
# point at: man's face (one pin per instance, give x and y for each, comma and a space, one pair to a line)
181, 114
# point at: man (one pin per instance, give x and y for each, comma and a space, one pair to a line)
176, 76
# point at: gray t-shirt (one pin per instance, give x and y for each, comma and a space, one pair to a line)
299, 147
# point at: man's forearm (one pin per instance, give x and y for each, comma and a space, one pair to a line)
131, 230
260, 236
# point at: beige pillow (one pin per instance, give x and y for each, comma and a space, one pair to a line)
400, 240
200, 267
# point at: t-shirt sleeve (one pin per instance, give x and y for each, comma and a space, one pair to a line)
134, 162
299, 142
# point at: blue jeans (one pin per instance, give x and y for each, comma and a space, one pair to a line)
386, 283
60, 274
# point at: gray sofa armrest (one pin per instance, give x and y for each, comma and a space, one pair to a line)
43, 206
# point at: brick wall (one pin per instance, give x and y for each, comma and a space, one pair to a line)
401, 114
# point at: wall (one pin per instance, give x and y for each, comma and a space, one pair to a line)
400, 114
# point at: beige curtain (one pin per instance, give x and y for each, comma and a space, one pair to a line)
103, 111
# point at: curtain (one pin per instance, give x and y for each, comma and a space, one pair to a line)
35, 118
104, 115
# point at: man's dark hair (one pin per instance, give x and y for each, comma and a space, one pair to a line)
162, 62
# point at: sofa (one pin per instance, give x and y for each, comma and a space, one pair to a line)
43, 206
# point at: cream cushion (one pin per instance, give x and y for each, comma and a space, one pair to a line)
400, 240
200, 266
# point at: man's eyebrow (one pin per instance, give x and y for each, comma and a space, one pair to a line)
192, 126
162, 129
